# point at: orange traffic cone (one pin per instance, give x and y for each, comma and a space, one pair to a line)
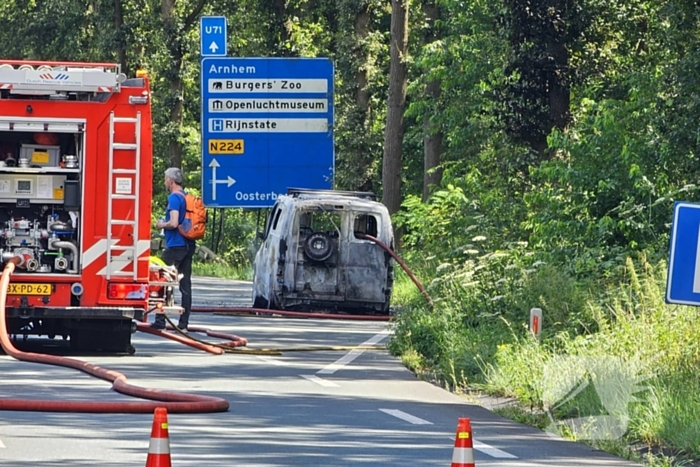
463, 454
159, 447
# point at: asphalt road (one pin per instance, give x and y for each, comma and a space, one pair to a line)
310, 408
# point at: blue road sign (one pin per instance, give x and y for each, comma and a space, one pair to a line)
213, 36
683, 283
267, 125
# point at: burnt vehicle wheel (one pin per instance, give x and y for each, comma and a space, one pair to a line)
260, 302
318, 246
385, 309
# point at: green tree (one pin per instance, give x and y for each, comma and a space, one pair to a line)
433, 138
535, 95
396, 104
360, 93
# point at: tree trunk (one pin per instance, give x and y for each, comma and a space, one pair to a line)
432, 141
559, 93
362, 96
362, 73
174, 37
396, 103
432, 144
356, 136
174, 76
121, 43
284, 27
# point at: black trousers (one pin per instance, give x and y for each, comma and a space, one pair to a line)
181, 258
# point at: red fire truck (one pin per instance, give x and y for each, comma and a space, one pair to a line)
75, 200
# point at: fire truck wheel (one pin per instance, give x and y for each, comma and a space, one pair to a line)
106, 335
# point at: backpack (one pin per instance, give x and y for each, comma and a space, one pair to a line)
193, 225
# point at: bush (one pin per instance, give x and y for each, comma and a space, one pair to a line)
657, 343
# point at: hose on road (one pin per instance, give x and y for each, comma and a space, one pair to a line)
172, 401
188, 339
281, 350
235, 343
291, 314
231, 347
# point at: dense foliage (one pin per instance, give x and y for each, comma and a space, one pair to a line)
546, 141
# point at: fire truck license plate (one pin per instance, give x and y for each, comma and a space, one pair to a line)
29, 289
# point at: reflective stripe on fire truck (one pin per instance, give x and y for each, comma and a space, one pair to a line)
95, 251
5, 86
120, 262
99, 249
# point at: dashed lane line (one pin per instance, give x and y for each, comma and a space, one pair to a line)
491, 451
352, 355
320, 381
271, 361
405, 417
478, 445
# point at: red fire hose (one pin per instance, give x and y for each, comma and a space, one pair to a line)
145, 327
174, 402
292, 314
401, 263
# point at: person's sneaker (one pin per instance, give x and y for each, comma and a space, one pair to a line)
158, 326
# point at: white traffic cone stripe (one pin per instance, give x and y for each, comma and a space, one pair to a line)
463, 456
159, 446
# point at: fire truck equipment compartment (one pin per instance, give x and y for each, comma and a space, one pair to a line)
39, 155
75, 201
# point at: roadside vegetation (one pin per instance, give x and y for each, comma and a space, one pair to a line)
476, 338
222, 270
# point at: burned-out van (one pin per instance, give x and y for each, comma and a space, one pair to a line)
318, 252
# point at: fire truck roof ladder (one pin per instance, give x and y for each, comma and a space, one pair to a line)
118, 256
48, 78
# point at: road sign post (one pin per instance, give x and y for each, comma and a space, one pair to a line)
213, 36
267, 125
683, 283
536, 321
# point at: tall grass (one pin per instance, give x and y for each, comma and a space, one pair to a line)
476, 336
655, 341
222, 270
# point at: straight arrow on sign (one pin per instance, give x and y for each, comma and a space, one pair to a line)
212, 35
228, 181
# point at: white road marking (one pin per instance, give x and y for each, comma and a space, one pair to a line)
271, 361
352, 355
2, 445
491, 451
320, 381
406, 417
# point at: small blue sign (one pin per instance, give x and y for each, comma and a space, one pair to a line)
267, 125
683, 283
212, 31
